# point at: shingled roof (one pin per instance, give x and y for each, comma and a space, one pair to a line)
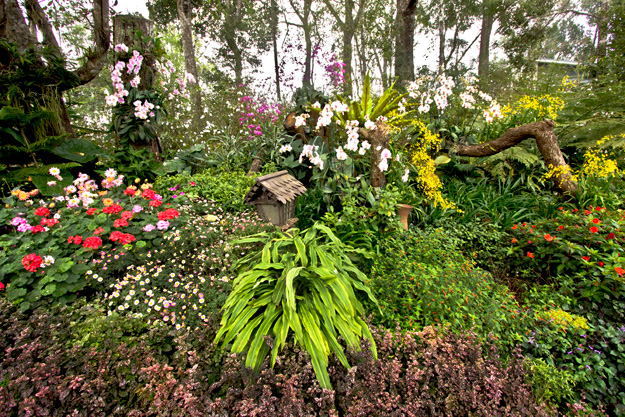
279, 186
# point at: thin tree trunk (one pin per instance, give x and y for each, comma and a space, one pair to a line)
190, 64
274, 36
404, 46
488, 19
441, 46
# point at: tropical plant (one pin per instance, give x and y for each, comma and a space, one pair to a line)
302, 282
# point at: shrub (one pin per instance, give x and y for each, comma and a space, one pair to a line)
301, 282
583, 244
593, 354
46, 254
226, 189
430, 373
420, 281
185, 281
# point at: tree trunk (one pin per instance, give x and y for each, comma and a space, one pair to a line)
124, 29
379, 139
307, 78
188, 48
274, 36
348, 35
547, 143
441, 46
404, 46
488, 19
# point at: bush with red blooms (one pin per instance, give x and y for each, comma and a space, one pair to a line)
69, 228
584, 246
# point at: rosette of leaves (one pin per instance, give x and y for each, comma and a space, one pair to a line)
302, 283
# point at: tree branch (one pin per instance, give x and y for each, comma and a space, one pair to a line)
547, 143
96, 58
36, 15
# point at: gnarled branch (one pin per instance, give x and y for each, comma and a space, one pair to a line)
547, 143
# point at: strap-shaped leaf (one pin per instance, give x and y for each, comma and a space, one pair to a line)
346, 331
281, 331
319, 362
235, 325
301, 251
253, 359
243, 339
333, 343
366, 103
289, 289
295, 324
367, 333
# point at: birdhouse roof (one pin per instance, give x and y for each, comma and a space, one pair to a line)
280, 186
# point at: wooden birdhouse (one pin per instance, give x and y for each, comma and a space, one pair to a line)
274, 196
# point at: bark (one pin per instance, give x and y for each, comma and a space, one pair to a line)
96, 58
37, 17
602, 30
379, 138
13, 27
488, 19
125, 27
547, 143
304, 15
404, 46
188, 48
274, 38
441, 46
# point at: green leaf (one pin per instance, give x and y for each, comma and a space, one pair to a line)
140, 243
79, 150
48, 289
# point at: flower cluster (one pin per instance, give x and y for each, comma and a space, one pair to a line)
133, 67
312, 153
336, 72
253, 113
142, 111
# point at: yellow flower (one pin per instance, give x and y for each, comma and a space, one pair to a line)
102, 193
146, 186
15, 192
22, 196
51, 205
107, 201
137, 180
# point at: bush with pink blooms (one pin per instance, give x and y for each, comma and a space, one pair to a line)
51, 242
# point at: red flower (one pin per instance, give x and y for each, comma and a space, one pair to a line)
148, 194
92, 242
98, 231
586, 258
524, 224
168, 214
120, 223
548, 237
123, 238
91, 211
112, 209
619, 270
127, 215
530, 255
574, 211
37, 229
595, 220
593, 229
514, 227
42, 211
75, 239
116, 235
599, 209
560, 227
49, 222
601, 263
1, 286
560, 208
32, 262
587, 211
130, 191
155, 203
610, 236
514, 240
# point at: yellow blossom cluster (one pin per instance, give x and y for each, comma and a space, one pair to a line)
544, 106
567, 84
556, 172
427, 179
596, 163
561, 318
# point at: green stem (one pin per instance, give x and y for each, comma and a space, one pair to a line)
28, 147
